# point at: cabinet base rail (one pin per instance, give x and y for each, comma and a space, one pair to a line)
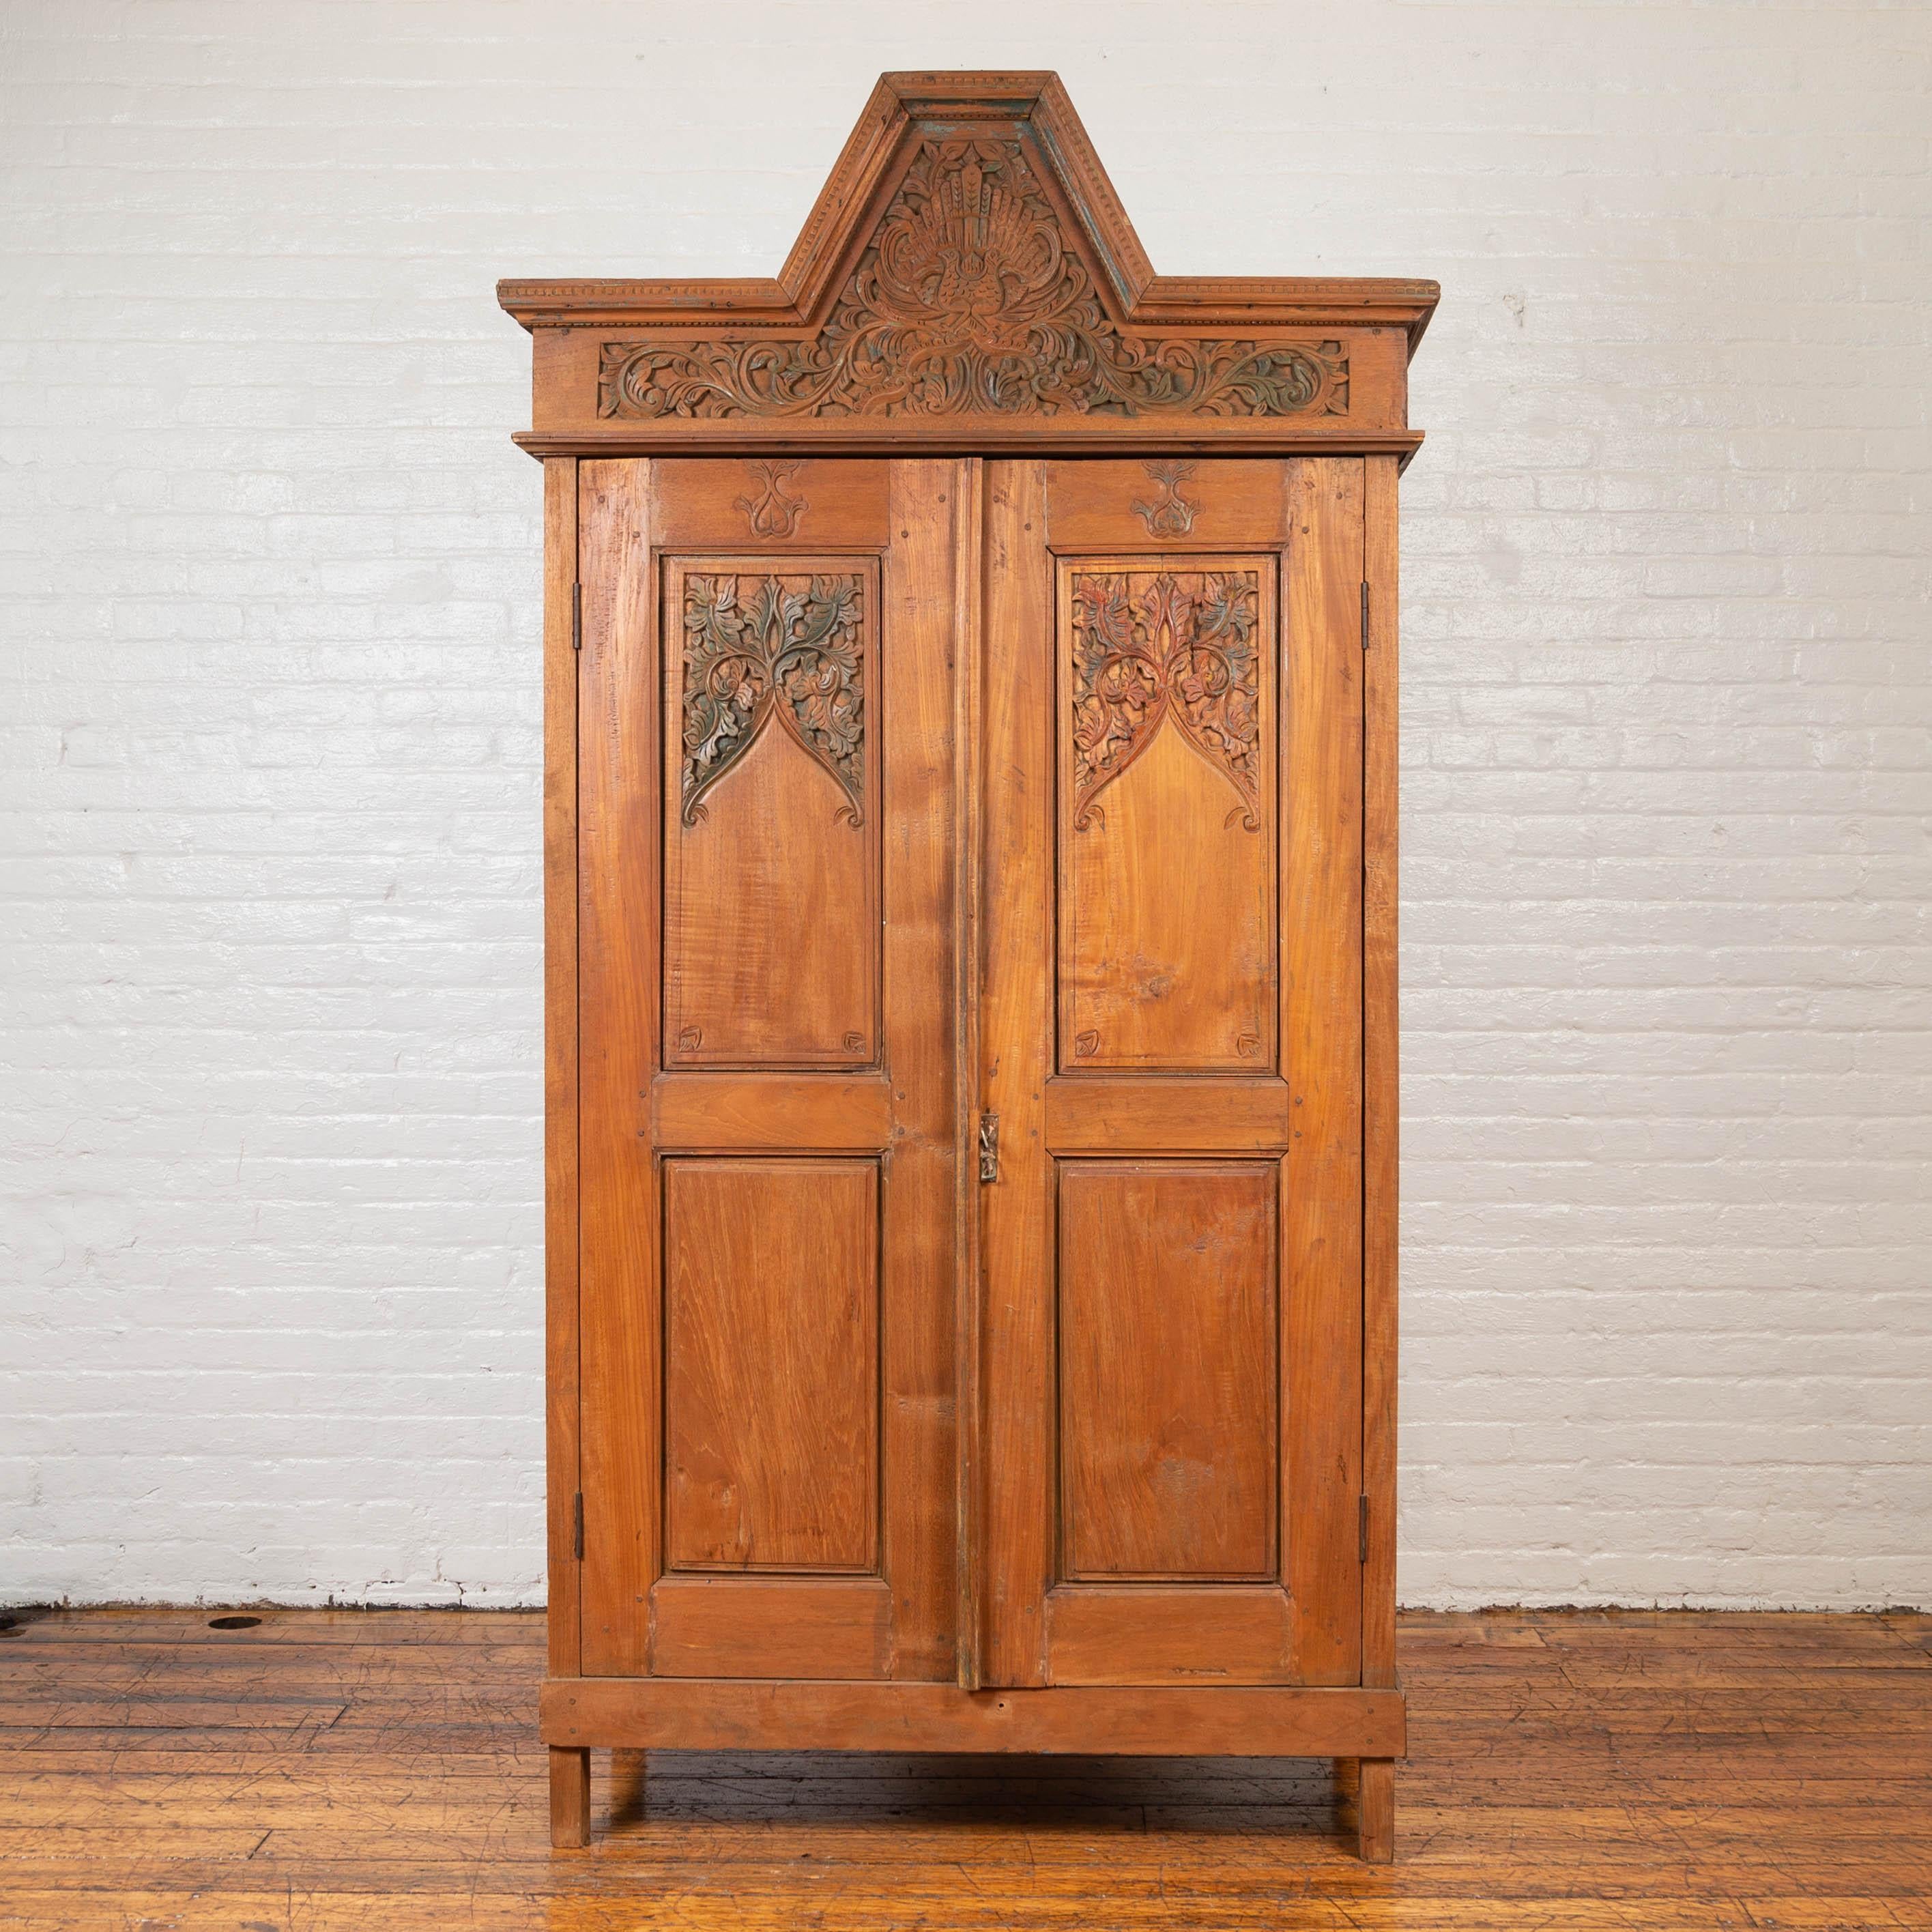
580, 1714
1097, 1720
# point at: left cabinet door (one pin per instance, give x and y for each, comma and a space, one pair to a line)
767, 993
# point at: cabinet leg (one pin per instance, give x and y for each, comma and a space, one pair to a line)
628, 1770
1375, 1810
569, 1798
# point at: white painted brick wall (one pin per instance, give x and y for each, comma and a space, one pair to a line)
270, 753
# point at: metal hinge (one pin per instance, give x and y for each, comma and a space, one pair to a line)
1365, 616
1362, 1529
577, 616
577, 1526
989, 1147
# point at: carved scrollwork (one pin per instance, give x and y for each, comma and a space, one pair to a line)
969, 301
1148, 647
758, 649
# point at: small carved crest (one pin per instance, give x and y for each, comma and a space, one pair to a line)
772, 511
1170, 514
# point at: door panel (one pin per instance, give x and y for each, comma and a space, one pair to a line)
1166, 955
769, 1122
1167, 1437
771, 1365
1158, 1633
772, 1626
772, 853
1163, 1367
1170, 1037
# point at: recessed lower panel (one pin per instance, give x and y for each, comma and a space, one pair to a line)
771, 1365
1168, 1441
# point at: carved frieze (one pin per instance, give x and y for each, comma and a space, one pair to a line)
761, 649
970, 300
1152, 646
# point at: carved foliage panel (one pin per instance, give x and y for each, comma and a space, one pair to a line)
1167, 826
771, 788
971, 298
762, 649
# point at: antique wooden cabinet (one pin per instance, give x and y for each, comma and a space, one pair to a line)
970, 826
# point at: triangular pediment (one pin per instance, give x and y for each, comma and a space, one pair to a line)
995, 167
968, 259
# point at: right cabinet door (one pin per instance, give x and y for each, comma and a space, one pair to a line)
1170, 1036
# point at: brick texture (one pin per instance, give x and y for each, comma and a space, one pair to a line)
270, 1264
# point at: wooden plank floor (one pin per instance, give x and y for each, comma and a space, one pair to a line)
362, 1769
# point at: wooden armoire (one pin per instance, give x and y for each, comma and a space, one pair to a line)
970, 828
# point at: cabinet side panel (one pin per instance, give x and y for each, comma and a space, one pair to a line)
1382, 1097
771, 1365
1321, 1035
560, 1174
618, 846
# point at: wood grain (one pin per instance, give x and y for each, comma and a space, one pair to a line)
562, 1337
1014, 1361
1321, 1034
810, 504
772, 954
618, 847
969, 648
988, 437
740, 1626
1123, 1114
1166, 955
1588, 1770
918, 1262
1382, 1091
760, 1113
569, 1798
1109, 1719
1375, 1810
1168, 1430
771, 1366
1303, 721
1228, 504
1148, 1633
800, 1438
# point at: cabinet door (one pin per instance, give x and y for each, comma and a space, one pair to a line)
768, 1118
1171, 918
